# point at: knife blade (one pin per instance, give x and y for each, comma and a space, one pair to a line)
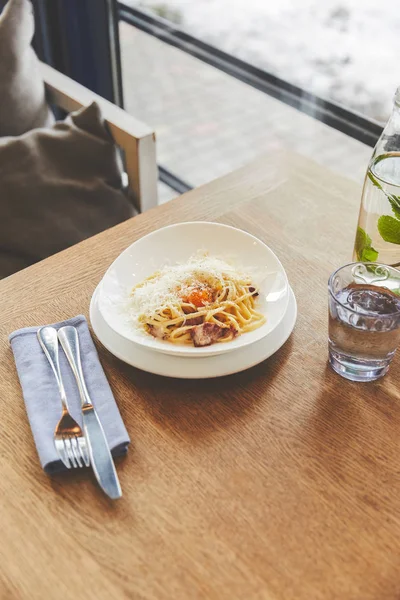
99, 452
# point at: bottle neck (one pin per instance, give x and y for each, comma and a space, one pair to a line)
397, 98
393, 125
389, 140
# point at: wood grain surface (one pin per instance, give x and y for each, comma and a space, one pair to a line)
281, 482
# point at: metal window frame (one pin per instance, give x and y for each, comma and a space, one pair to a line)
173, 181
333, 114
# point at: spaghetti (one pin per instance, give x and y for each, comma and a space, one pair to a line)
203, 301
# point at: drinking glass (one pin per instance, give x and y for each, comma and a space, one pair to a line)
364, 320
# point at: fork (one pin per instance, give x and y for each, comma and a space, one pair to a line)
69, 440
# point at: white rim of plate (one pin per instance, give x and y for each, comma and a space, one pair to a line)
207, 367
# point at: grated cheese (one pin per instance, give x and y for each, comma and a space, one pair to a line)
171, 284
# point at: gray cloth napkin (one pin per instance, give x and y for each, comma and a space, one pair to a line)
41, 395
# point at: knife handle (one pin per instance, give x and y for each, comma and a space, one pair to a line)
69, 341
48, 340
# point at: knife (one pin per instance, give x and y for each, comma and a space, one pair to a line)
99, 452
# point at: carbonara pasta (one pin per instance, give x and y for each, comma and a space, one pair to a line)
201, 302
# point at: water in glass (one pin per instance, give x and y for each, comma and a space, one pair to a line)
364, 323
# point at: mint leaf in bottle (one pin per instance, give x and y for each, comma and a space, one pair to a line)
364, 251
389, 228
369, 255
395, 204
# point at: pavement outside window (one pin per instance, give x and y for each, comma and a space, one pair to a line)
208, 123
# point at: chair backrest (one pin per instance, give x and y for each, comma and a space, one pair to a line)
136, 140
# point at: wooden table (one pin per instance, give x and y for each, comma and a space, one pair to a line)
281, 482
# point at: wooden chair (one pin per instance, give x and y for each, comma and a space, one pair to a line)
135, 139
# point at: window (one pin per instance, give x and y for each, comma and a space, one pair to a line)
223, 82
343, 51
214, 112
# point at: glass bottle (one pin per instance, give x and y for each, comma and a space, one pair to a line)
378, 230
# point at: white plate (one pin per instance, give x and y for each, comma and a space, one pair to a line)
189, 368
176, 244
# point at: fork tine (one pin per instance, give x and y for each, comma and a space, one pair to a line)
59, 444
68, 447
84, 451
76, 451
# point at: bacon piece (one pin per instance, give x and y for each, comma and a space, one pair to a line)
227, 330
194, 320
156, 332
206, 334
